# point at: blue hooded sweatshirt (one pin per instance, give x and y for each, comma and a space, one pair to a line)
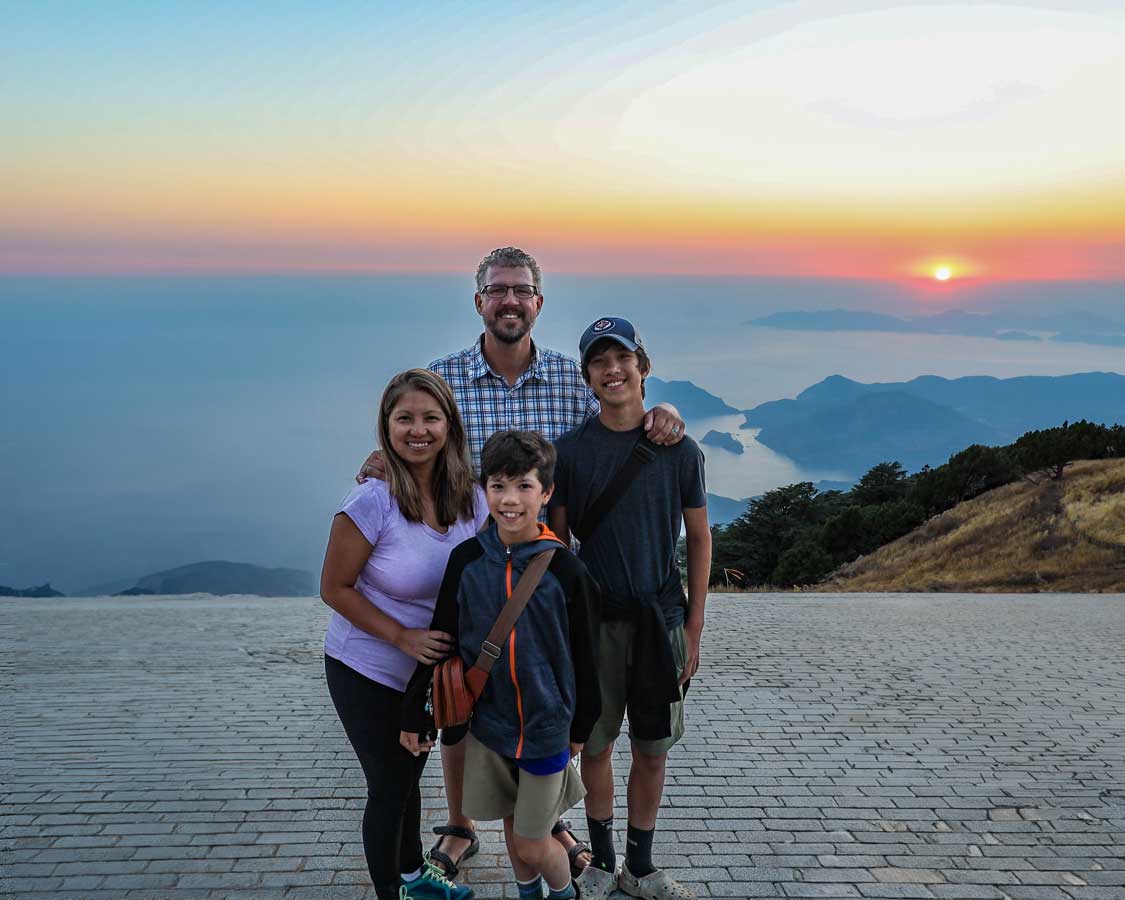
543, 692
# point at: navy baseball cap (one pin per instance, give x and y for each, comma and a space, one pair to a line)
614, 328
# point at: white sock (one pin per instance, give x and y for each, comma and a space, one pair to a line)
412, 876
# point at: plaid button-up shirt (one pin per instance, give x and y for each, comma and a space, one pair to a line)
550, 397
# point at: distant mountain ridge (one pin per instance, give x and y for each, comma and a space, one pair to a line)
1081, 328
848, 425
221, 577
691, 400
722, 510
889, 425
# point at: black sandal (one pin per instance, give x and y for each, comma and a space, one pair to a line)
564, 827
443, 859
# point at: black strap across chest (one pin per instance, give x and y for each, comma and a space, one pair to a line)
640, 456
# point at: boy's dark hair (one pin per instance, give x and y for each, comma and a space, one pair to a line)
643, 361
514, 453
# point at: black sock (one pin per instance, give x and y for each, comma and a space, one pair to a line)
601, 844
638, 851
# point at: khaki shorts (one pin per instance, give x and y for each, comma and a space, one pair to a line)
615, 658
496, 788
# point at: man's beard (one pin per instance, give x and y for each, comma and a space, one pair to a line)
509, 337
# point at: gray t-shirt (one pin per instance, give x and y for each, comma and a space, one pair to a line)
632, 552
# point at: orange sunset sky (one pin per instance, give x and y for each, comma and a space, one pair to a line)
868, 140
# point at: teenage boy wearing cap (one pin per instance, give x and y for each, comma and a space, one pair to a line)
650, 633
504, 380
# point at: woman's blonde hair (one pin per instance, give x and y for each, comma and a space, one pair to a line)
452, 485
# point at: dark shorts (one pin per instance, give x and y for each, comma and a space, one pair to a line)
615, 658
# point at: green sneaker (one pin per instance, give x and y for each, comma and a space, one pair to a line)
432, 885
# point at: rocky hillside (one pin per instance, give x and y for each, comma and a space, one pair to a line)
1066, 535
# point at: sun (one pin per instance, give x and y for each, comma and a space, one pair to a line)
943, 268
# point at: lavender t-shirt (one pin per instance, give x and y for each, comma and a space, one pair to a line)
402, 577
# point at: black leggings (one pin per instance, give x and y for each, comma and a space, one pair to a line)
369, 712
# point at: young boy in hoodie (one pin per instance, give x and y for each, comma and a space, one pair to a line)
543, 696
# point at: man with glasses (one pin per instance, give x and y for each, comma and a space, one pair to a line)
503, 380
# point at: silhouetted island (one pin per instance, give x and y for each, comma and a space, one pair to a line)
221, 577
43, 590
724, 440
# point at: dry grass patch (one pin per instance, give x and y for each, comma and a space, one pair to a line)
1096, 503
1064, 535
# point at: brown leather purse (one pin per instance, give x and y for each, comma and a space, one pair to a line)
456, 689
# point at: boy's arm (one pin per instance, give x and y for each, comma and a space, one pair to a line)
698, 539
556, 520
583, 611
415, 719
556, 509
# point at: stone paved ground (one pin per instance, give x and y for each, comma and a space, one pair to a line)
839, 747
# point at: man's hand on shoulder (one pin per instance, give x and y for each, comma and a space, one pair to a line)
373, 467
663, 425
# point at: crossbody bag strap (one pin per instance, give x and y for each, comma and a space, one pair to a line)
506, 621
641, 455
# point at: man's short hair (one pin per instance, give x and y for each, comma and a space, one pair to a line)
509, 258
643, 361
513, 453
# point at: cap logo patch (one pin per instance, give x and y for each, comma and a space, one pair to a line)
602, 325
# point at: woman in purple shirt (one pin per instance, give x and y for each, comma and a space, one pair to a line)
386, 555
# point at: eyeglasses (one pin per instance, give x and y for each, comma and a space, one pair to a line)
500, 291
